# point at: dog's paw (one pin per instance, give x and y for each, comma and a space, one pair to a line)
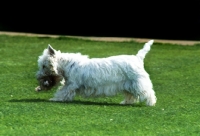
122, 102
55, 100
126, 102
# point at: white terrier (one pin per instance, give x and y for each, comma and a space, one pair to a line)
97, 76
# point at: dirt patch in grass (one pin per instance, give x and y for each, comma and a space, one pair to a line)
116, 39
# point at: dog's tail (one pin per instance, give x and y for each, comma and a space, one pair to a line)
142, 53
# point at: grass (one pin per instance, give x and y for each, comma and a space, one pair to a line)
174, 71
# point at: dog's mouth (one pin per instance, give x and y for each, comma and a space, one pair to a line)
47, 82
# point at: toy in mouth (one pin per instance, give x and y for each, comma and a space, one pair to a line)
46, 83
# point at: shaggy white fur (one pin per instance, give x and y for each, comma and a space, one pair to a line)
98, 76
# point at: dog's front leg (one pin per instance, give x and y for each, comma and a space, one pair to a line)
66, 93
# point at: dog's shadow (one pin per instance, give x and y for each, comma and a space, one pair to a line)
73, 102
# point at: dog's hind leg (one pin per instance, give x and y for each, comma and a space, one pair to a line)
129, 98
144, 89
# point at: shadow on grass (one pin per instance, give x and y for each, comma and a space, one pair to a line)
74, 102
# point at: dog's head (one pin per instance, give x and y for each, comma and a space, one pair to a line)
48, 74
47, 62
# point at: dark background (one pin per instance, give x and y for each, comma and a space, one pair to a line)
161, 20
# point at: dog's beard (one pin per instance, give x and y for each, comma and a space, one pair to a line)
47, 82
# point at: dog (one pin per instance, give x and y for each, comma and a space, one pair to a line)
92, 77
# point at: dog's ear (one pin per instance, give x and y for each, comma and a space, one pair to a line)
51, 51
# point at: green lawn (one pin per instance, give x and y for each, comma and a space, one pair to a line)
174, 71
